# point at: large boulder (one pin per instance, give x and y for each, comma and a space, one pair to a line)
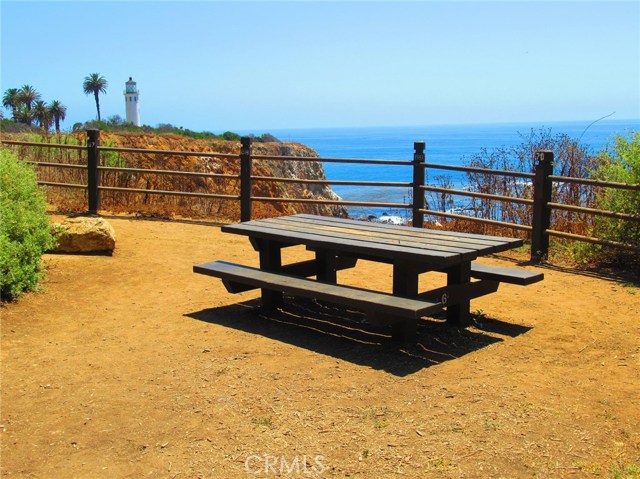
84, 235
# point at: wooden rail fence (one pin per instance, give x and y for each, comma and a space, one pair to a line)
541, 203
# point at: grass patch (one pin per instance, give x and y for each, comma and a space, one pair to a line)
624, 471
378, 416
263, 421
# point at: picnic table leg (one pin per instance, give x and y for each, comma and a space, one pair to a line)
270, 260
405, 280
327, 266
459, 314
405, 284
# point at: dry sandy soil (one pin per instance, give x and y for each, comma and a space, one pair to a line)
131, 366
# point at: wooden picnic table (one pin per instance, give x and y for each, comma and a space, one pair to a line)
338, 243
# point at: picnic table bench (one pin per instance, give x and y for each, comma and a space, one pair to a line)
338, 244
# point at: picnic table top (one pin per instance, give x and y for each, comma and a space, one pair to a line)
376, 240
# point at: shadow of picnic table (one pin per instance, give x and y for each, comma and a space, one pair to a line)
344, 334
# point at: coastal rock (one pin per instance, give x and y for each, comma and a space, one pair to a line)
193, 207
301, 169
84, 235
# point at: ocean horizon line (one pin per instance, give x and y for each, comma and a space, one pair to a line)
533, 123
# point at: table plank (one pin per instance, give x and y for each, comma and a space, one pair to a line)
347, 295
377, 238
421, 237
499, 243
450, 236
263, 230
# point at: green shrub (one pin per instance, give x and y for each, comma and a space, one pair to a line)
230, 136
10, 126
112, 159
24, 227
268, 138
620, 164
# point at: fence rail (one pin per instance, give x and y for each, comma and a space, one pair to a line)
169, 192
470, 169
167, 172
588, 239
594, 211
62, 185
45, 145
388, 184
120, 149
475, 194
329, 202
540, 204
501, 224
333, 160
57, 165
600, 183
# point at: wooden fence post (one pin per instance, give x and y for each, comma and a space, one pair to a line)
93, 175
418, 183
541, 220
245, 178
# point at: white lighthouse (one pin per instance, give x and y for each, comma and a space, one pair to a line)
131, 97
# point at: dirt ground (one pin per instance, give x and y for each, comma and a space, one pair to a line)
131, 366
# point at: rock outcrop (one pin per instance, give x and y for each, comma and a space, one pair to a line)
84, 235
209, 207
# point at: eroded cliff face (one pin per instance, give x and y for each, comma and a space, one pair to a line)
209, 207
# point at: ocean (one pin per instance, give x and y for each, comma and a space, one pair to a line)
445, 144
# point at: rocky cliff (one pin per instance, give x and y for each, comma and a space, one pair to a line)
151, 203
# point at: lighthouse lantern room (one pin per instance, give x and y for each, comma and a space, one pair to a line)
131, 96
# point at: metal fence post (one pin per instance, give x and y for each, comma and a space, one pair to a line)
418, 183
541, 220
93, 175
245, 178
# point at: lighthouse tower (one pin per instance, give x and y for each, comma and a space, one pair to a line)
131, 97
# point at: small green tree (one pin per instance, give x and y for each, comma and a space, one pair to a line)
620, 164
24, 227
230, 136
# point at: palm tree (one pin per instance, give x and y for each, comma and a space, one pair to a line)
95, 84
58, 113
11, 100
28, 95
42, 114
22, 115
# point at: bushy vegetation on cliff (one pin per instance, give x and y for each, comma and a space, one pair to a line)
24, 227
11, 126
116, 124
619, 163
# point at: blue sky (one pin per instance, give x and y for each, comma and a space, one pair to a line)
267, 65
